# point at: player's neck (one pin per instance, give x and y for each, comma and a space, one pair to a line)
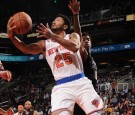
60, 33
89, 51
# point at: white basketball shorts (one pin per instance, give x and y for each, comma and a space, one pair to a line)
79, 91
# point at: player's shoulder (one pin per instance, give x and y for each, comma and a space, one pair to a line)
74, 34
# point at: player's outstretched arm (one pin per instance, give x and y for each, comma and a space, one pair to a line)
74, 6
73, 44
34, 48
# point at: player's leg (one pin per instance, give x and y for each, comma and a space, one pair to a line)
62, 112
88, 99
62, 101
95, 113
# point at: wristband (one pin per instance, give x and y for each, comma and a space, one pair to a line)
76, 14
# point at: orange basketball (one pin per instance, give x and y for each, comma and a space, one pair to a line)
23, 22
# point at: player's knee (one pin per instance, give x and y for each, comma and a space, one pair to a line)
95, 113
62, 112
65, 113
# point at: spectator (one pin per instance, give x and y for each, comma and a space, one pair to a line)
114, 100
28, 109
114, 85
20, 110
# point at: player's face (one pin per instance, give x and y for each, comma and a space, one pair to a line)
27, 105
58, 24
87, 42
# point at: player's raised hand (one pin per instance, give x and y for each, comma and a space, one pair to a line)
74, 6
44, 31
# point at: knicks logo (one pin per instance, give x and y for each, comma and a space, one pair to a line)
95, 102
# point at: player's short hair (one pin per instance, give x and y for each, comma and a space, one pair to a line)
86, 34
66, 20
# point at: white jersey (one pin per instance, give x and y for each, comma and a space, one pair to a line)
63, 62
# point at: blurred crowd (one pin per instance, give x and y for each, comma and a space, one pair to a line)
117, 7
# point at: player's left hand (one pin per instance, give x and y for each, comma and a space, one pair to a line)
6, 75
44, 31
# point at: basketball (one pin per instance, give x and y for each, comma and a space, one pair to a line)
23, 23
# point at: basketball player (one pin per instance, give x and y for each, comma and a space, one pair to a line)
20, 110
28, 109
89, 64
63, 55
90, 68
88, 61
5, 74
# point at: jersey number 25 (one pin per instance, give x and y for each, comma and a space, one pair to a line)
64, 56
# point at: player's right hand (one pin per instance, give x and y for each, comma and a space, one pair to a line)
6, 75
74, 6
10, 28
